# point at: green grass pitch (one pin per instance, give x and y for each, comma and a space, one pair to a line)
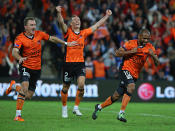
46, 116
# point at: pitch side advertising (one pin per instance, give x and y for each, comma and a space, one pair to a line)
146, 91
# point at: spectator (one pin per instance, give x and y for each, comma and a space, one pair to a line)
99, 69
89, 68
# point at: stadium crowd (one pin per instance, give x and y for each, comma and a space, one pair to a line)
129, 16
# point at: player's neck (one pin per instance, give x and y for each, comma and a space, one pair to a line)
76, 30
28, 34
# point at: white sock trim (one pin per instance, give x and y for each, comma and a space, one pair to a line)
18, 112
75, 107
99, 106
64, 107
121, 111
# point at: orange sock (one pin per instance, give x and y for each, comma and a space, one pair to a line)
20, 102
125, 101
77, 99
64, 98
107, 102
18, 88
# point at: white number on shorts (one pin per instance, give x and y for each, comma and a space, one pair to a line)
128, 75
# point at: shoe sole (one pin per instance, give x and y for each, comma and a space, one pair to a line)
122, 120
75, 113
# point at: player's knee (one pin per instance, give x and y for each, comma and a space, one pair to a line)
131, 88
65, 88
81, 85
81, 92
30, 94
115, 96
24, 90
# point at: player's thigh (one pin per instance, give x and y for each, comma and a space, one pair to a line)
67, 73
35, 75
125, 79
24, 79
80, 73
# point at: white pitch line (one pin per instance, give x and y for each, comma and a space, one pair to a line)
139, 114
156, 115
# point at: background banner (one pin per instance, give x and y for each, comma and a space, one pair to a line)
146, 91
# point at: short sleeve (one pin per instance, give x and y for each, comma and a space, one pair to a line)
44, 35
17, 43
87, 32
67, 33
127, 46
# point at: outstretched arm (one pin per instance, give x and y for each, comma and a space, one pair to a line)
56, 40
121, 52
60, 19
102, 20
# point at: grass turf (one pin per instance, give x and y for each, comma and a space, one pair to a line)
46, 116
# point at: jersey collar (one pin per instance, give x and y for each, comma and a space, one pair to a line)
28, 36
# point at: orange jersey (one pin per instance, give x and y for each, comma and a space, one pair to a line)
134, 62
75, 53
31, 48
99, 69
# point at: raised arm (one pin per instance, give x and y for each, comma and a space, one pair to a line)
56, 40
60, 19
101, 21
122, 52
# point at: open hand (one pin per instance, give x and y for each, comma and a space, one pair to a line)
22, 59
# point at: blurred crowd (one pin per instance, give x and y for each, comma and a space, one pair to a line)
129, 16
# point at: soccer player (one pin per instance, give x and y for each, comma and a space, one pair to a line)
74, 66
134, 53
27, 50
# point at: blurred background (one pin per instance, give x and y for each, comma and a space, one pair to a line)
129, 16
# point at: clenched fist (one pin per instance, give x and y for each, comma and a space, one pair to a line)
108, 12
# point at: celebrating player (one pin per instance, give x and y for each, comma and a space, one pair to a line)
27, 50
74, 65
134, 53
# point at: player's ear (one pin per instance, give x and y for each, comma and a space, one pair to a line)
25, 27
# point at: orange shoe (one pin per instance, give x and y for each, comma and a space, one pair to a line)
18, 118
10, 88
